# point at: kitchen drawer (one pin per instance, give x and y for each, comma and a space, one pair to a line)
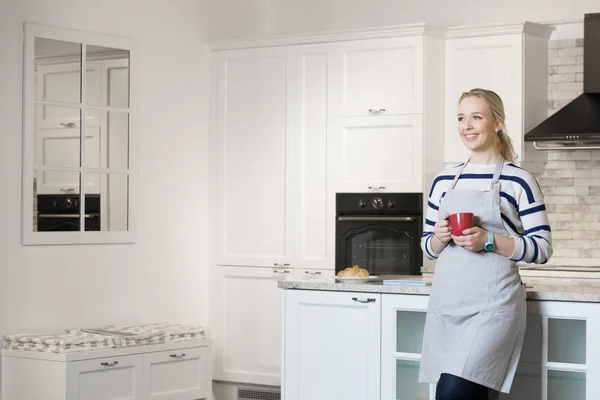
105, 379
176, 375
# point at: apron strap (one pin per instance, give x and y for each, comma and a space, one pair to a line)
460, 170
498, 171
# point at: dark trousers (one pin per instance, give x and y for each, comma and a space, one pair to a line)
451, 387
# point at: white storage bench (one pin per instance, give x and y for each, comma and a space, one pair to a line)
172, 370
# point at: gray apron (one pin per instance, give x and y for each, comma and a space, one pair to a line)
476, 318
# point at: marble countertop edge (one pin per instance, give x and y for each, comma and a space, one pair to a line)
558, 292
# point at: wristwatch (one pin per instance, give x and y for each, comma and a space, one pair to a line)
489, 245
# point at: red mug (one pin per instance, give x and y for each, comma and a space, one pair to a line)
461, 221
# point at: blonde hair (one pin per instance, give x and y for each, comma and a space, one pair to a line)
504, 143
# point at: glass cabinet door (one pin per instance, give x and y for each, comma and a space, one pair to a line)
403, 321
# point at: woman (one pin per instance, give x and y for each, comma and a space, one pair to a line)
476, 319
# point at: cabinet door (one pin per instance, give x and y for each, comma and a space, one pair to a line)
332, 345
491, 62
248, 337
177, 375
377, 153
402, 324
379, 76
255, 161
314, 200
115, 378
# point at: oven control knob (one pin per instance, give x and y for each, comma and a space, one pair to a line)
67, 203
362, 203
391, 203
377, 203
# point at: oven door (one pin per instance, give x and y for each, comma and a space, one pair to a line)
383, 245
66, 222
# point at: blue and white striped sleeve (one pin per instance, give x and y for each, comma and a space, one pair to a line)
534, 245
431, 217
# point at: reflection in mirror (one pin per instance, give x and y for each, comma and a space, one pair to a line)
57, 144
112, 207
108, 145
115, 76
57, 70
55, 201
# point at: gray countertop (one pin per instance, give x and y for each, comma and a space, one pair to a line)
557, 289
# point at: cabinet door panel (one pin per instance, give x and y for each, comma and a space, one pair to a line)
380, 76
332, 345
314, 201
482, 63
115, 378
248, 338
255, 185
176, 375
377, 153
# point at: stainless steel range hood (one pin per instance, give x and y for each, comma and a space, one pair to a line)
577, 125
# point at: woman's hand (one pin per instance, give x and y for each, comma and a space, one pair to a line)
473, 239
441, 230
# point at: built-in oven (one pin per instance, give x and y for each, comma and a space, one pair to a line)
380, 232
61, 212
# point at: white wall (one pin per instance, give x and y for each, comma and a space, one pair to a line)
164, 276
228, 19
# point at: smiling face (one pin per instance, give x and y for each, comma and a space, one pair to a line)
476, 125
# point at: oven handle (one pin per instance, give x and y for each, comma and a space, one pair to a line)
403, 219
62, 215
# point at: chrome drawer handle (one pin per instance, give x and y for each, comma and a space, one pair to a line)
177, 355
376, 110
106, 364
368, 300
281, 271
376, 187
281, 265
312, 272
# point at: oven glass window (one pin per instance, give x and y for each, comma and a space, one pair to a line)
380, 251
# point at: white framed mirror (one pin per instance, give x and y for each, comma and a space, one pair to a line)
80, 137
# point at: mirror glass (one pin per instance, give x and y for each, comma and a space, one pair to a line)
57, 136
56, 197
61, 80
111, 66
65, 111
106, 202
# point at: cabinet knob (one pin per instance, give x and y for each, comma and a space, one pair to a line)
109, 364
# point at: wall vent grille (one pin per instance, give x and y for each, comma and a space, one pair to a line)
254, 394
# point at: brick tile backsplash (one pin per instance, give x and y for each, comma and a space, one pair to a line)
570, 179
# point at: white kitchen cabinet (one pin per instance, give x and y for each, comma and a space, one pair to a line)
511, 60
168, 371
254, 133
402, 324
377, 154
377, 77
559, 358
332, 346
248, 330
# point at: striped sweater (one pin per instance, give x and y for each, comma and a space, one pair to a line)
521, 205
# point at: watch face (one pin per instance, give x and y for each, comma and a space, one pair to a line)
489, 247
